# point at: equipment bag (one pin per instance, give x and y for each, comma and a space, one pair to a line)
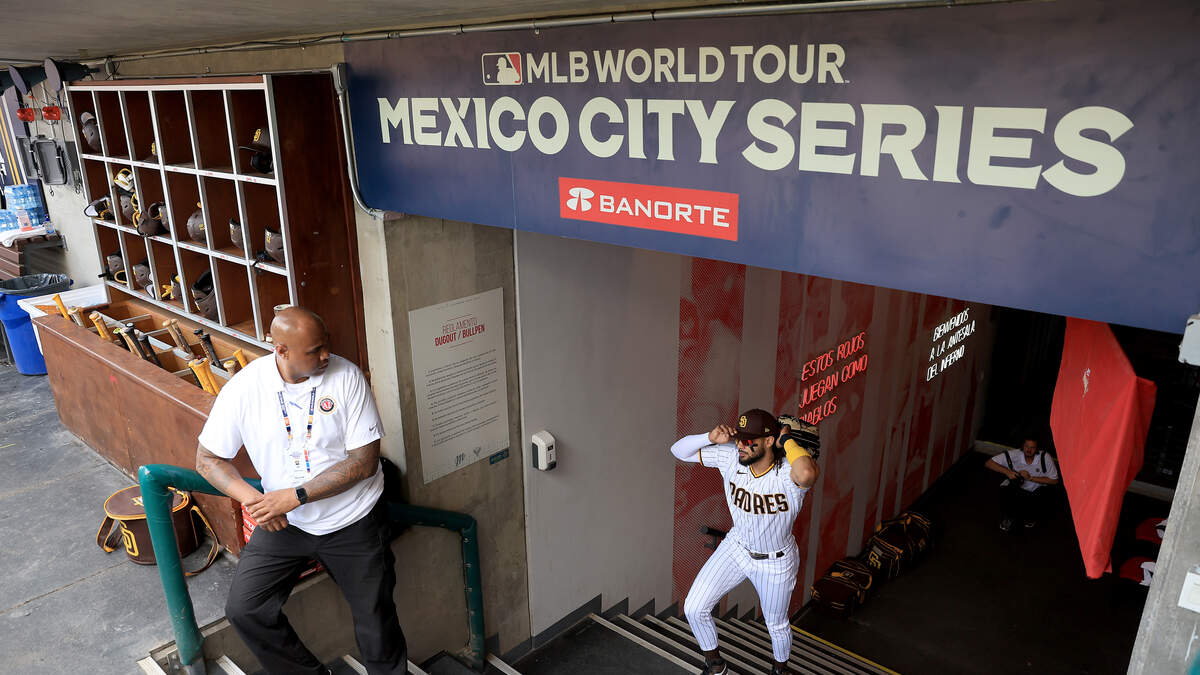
838, 594
856, 572
919, 529
125, 523
889, 550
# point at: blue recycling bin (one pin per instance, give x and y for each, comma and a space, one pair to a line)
16, 321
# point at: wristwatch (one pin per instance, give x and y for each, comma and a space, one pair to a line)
302, 495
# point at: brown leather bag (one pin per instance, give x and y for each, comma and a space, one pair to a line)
125, 523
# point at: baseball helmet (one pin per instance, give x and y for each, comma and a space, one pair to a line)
99, 208
235, 233
141, 276
150, 222
123, 179
114, 262
274, 242
91, 131
129, 208
260, 159
206, 299
195, 225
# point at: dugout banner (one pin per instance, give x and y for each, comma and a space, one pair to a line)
1100, 417
1036, 155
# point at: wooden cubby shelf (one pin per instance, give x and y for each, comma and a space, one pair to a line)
185, 140
182, 139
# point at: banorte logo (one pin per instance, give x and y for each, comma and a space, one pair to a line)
700, 213
580, 199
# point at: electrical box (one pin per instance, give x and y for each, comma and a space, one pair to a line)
1189, 349
542, 449
1189, 597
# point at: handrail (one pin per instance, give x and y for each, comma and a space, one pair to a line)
155, 479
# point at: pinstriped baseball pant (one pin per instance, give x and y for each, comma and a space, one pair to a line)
773, 578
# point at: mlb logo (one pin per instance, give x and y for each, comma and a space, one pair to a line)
501, 68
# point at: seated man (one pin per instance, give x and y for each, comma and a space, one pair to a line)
1024, 495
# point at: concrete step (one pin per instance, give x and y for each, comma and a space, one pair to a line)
444, 663
598, 646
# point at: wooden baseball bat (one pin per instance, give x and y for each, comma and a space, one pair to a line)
206, 368
231, 366
101, 327
62, 309
195, 364
130, 343
148, 349
241, 357
172, 326
76, 315
206, 342
132, 333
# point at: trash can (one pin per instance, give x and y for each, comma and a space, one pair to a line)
16, 321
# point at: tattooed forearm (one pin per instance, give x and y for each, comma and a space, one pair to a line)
224, 476
360, 464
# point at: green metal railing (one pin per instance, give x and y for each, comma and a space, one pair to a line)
155, 479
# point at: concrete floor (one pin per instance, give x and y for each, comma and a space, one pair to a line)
65, 605
989, 603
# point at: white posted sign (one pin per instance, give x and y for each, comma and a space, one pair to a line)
460, 381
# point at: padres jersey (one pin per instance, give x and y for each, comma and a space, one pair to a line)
763, 507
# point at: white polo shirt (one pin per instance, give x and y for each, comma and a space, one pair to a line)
247, 412
1034, 468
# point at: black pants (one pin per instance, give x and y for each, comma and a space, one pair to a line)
360, 561
1020, 505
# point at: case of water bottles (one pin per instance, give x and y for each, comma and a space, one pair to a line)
8, 220
25, 207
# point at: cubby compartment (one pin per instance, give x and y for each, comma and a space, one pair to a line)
221, 198
194, 266
212, 134
272, 291
234, 296
137, 253
262, 212
185, 199
109, 243
140, 124
112, 124
151, 198
163, 262
82, 102
249, 112
96, 174
174, 135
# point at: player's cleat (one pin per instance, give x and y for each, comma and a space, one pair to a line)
1030, 524
717, 667
1005, 525
780, 669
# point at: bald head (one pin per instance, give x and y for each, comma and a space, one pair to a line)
301, 343
294, 323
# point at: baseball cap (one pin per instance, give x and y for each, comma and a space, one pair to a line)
756, 423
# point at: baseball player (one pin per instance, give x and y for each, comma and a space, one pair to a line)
764, 488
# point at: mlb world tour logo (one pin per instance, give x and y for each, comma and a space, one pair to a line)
806, 136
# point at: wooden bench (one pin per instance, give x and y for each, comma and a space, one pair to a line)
13, 261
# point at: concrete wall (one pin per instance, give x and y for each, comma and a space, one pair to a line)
1167, 636
65, 203
598, 367
432, 261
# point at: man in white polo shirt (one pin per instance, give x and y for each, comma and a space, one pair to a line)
309, 424
1024, 496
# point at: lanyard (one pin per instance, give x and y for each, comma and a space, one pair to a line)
287, 423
